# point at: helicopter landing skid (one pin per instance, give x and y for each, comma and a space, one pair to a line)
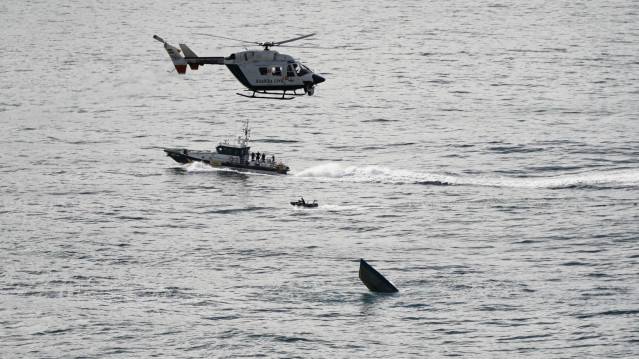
271, 95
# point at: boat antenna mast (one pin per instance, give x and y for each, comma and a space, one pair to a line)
247, 133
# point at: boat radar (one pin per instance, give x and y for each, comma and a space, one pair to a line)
373, 280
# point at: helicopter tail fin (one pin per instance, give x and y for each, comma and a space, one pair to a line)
189, 53
174, 53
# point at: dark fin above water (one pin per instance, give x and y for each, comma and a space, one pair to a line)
373, 280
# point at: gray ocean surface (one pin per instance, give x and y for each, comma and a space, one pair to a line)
483, 156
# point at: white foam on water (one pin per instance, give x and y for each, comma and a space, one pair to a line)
378, 174
200, 167
372, 174
586, 179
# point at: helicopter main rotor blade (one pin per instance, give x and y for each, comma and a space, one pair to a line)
277, 43
230, 38
315, 47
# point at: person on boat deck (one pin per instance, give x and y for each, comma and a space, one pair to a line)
302, 200
263, 157
252, 156
273, 159
258, 156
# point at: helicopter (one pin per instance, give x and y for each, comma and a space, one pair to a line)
264, 72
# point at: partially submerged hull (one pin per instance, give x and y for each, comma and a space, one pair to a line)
373, 280
211, 158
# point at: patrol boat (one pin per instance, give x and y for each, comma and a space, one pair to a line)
234, 155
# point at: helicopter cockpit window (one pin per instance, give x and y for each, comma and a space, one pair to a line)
276, 71
263, 71
289, 71
303, 70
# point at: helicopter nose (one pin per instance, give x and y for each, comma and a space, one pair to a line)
317, 79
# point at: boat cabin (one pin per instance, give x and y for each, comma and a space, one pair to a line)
232, 151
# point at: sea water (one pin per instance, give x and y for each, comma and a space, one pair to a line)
483, 156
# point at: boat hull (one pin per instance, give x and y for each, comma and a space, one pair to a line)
373, 280
183, 156
307, 205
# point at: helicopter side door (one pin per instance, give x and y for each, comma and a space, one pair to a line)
290, 73
270, 75
277, 74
